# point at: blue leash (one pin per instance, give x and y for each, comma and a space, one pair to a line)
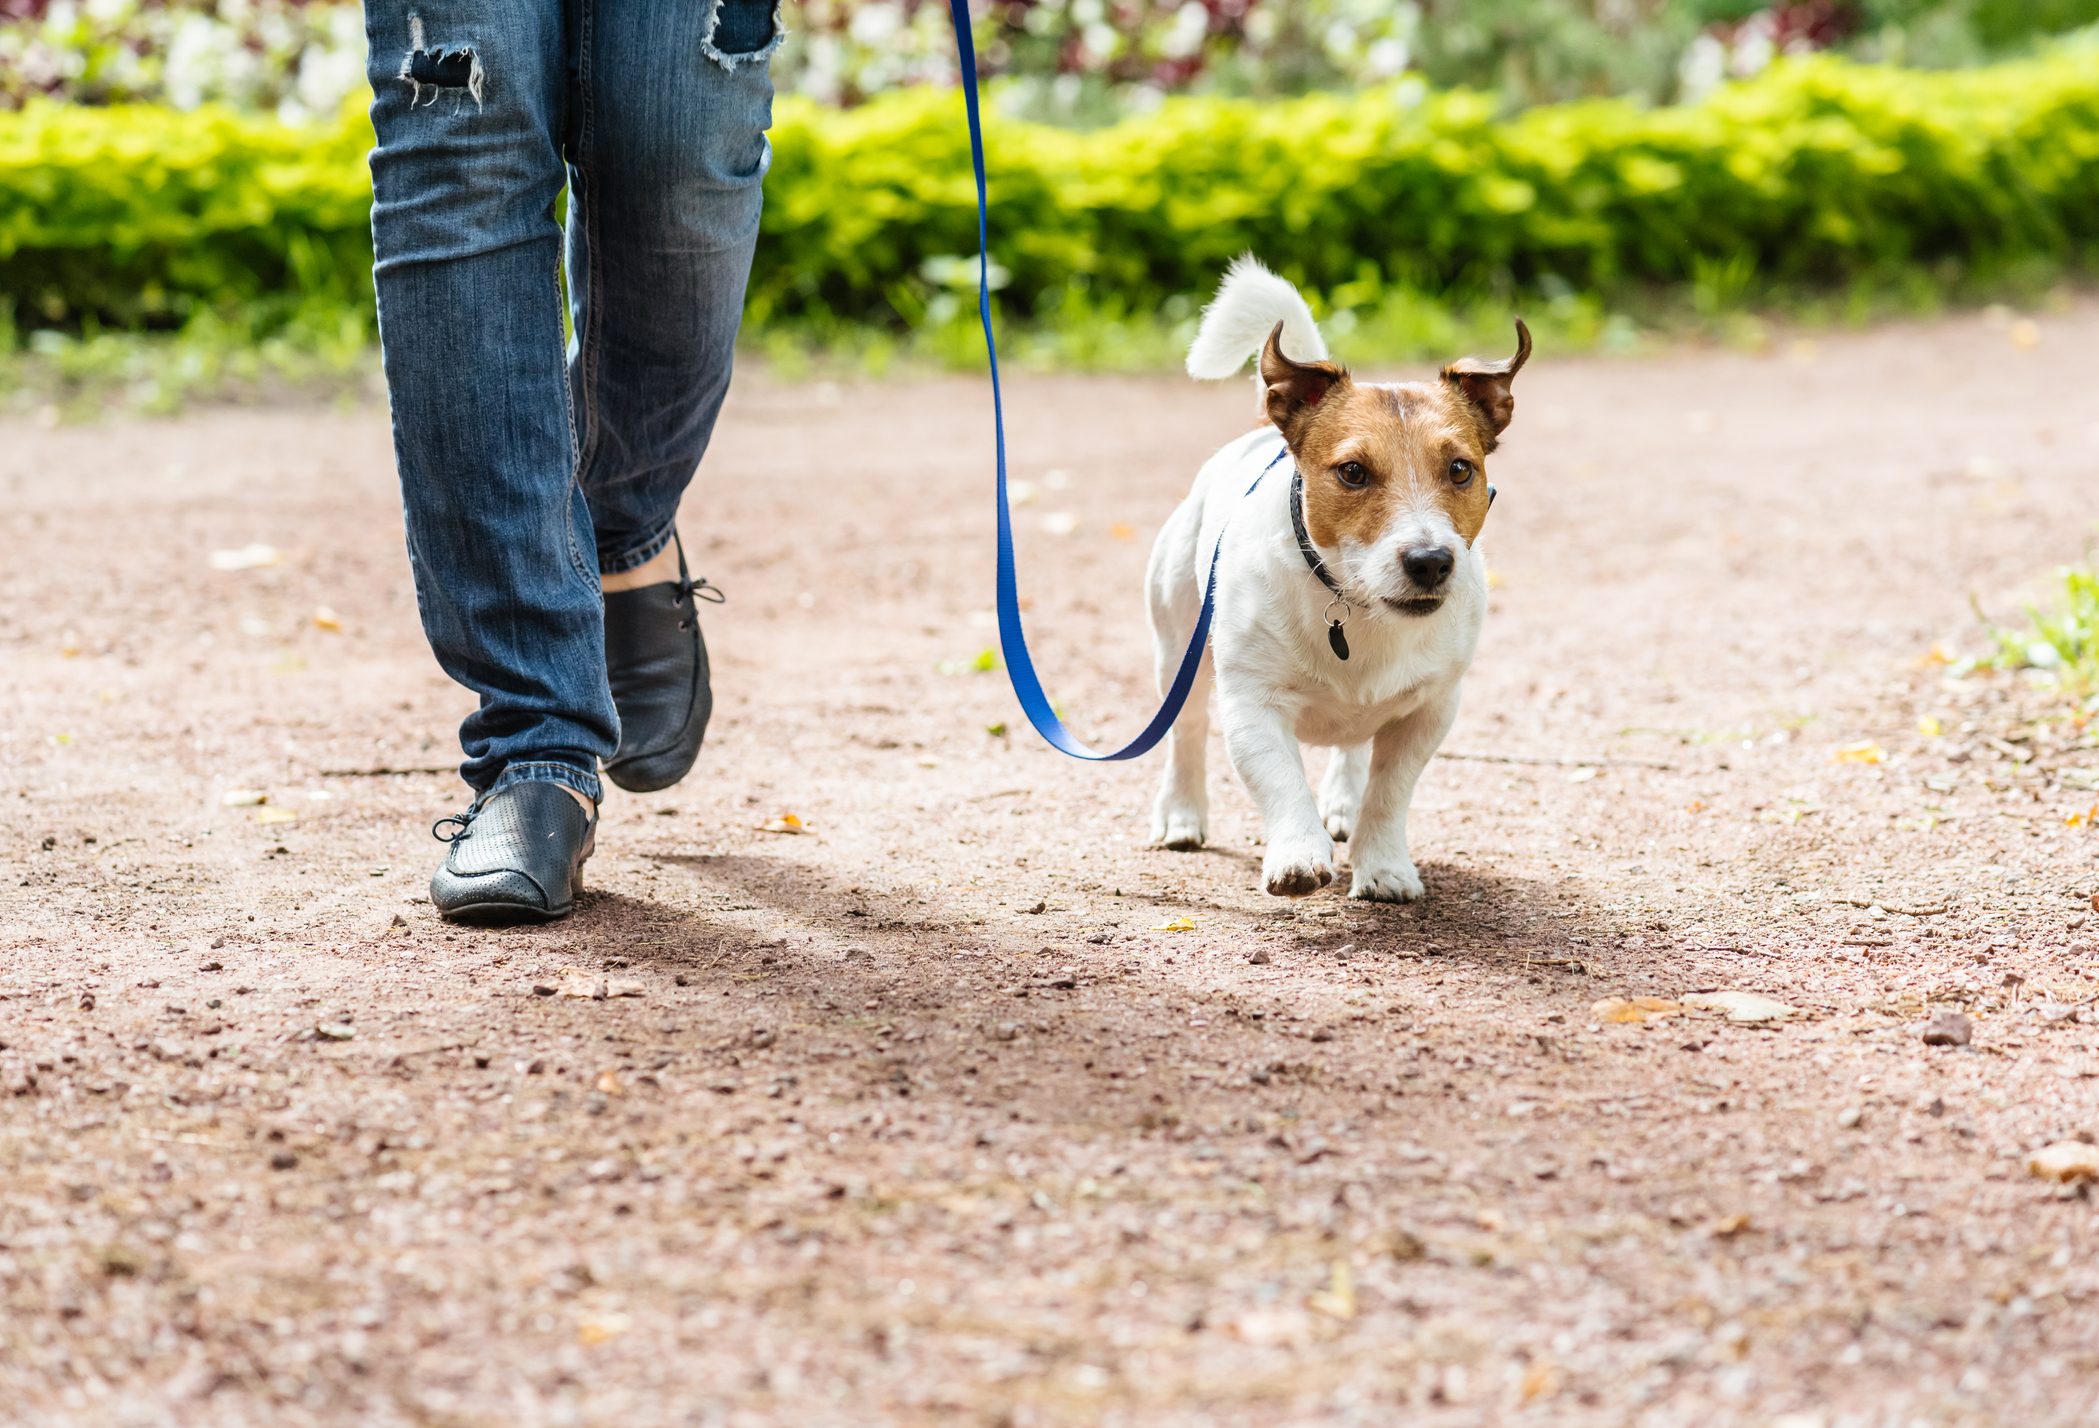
1020, 666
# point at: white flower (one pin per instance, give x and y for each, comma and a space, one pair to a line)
1184, 38
1386, 58
872, 24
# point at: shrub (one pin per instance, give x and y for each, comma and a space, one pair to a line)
1820, 173
136, 217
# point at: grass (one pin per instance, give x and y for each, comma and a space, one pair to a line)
2060, 639
80, 376
328, 353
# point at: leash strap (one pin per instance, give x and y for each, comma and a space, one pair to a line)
1013, 641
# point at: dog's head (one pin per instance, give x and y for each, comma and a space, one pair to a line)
1395, 476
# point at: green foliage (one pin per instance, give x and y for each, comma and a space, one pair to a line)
2063, 640
1823, 174
1820, 174
140, 217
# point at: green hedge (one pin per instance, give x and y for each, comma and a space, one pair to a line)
1819, 173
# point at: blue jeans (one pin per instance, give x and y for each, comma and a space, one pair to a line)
530, 464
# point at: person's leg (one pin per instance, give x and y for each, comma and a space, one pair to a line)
469, 106
668, 154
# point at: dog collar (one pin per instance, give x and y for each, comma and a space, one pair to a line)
1334, 633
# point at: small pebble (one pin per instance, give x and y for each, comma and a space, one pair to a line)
1949, 1028
2066, 1160
1850, 1117
1259, 957
283, 1160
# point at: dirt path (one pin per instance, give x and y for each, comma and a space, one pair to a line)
917, 1118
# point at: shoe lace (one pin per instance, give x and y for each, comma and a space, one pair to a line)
689, 589
699, 590
461, 823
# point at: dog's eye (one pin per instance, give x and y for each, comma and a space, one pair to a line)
1352, 475
1461, 471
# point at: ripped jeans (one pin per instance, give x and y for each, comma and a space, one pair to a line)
530, 464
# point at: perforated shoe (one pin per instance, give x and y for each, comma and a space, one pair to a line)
517, 856
656, 662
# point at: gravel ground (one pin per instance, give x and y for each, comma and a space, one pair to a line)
920, 1115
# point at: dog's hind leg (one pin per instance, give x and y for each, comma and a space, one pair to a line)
1181, 812
1341, 791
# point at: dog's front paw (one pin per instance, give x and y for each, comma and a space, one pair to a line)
1298, 870
1395, 883
1340, 822
1180, 826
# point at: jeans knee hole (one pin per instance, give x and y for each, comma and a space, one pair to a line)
742, 31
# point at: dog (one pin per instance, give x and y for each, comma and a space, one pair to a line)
1350, 589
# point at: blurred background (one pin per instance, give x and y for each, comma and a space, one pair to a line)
183, 187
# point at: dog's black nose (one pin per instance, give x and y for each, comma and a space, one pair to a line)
1428, 566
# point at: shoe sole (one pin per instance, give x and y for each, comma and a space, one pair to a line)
504, 914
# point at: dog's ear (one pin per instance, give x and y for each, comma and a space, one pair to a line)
1486, 384
1294, 388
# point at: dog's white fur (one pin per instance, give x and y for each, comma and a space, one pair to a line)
1383, 711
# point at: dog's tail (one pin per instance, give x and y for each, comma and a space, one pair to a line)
1235, 326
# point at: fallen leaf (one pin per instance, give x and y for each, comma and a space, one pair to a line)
2087, 819
1620, 1010
1123, 530
1183, 923
1272, 1327
243, 798
2065, 1160
1929, 726
1747, 1008
785, 823
248, 557
276, 815
1863, 752
1541, 1380
326, 619
1338, 1299
595, 1329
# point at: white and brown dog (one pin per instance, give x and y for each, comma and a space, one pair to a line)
1350, 589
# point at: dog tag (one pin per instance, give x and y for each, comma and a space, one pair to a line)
1338, 640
